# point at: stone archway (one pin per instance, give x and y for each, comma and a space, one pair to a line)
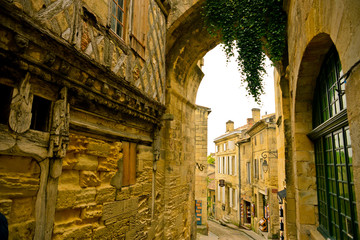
303, 190
187, 42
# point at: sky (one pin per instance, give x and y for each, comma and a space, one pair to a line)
222, 91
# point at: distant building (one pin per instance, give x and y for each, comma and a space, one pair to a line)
227, 172
211, 199
261, 170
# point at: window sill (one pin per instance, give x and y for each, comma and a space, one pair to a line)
120, 41
316, 235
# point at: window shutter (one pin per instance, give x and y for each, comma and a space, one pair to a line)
129, 163
139, 26
235, 166
231, 167
226, 165
230, 197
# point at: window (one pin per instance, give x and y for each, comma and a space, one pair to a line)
243, 150
231, 197
223, 195
261, 138
219, 164
256, 168
333, 154
224, 166
224, 146
129, 163
5, 100
261, 169
40, 119
217, 148
255, 140
230, 166
139, 26
248, 171
233, 159
117, 17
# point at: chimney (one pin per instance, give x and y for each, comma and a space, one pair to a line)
255, 114
229, 126
250, 121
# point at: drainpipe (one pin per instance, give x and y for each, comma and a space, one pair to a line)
239, 163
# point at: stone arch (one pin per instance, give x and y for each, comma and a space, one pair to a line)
304, 187
187, 42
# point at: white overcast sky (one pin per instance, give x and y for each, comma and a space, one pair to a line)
222, 91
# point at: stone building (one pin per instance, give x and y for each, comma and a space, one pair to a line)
211, 196
254, 191
227, 177
201, 171
261, 170
318, 116
82, 104
86, 93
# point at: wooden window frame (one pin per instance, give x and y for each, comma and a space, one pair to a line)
123, 23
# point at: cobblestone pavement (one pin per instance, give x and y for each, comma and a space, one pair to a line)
219, 232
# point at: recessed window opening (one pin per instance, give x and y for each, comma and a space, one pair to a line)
40, 114
333, 155
5, 100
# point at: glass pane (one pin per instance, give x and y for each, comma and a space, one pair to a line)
121, 3
336, 140
113, 23
341, 140
344, 173
348, 139
113, 8
120, 15
119, 29
341, 189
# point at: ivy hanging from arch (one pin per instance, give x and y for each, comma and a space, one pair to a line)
249, 27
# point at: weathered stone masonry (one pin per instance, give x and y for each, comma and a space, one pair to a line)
61, 178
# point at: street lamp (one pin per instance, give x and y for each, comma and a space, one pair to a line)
265, 166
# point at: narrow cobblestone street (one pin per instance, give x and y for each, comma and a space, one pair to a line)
219, 232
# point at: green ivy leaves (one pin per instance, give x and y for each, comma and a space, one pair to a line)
249, 27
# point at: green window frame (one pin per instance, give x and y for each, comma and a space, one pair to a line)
333, 154
117, 17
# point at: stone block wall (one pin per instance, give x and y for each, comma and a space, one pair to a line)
19, 184
88, 206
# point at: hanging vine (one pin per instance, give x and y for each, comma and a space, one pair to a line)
249, 27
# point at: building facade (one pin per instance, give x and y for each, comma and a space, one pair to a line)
227, 175
263, 177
